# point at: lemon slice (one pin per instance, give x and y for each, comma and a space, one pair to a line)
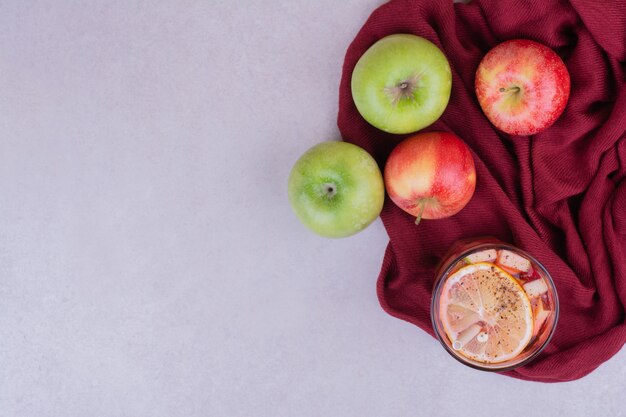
486, 313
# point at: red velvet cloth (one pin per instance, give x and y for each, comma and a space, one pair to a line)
560, 195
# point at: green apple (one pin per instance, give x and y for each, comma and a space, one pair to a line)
336, 189
402, 83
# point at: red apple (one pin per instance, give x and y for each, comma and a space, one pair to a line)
522, 86
431, 175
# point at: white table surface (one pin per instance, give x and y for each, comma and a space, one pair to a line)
150, 264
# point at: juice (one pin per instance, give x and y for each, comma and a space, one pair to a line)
494, 306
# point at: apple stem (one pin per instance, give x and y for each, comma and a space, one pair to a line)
404, 89
422, 203
512, 89
329, 190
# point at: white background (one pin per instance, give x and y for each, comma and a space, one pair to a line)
150, 264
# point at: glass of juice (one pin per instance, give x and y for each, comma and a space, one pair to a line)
494, 306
